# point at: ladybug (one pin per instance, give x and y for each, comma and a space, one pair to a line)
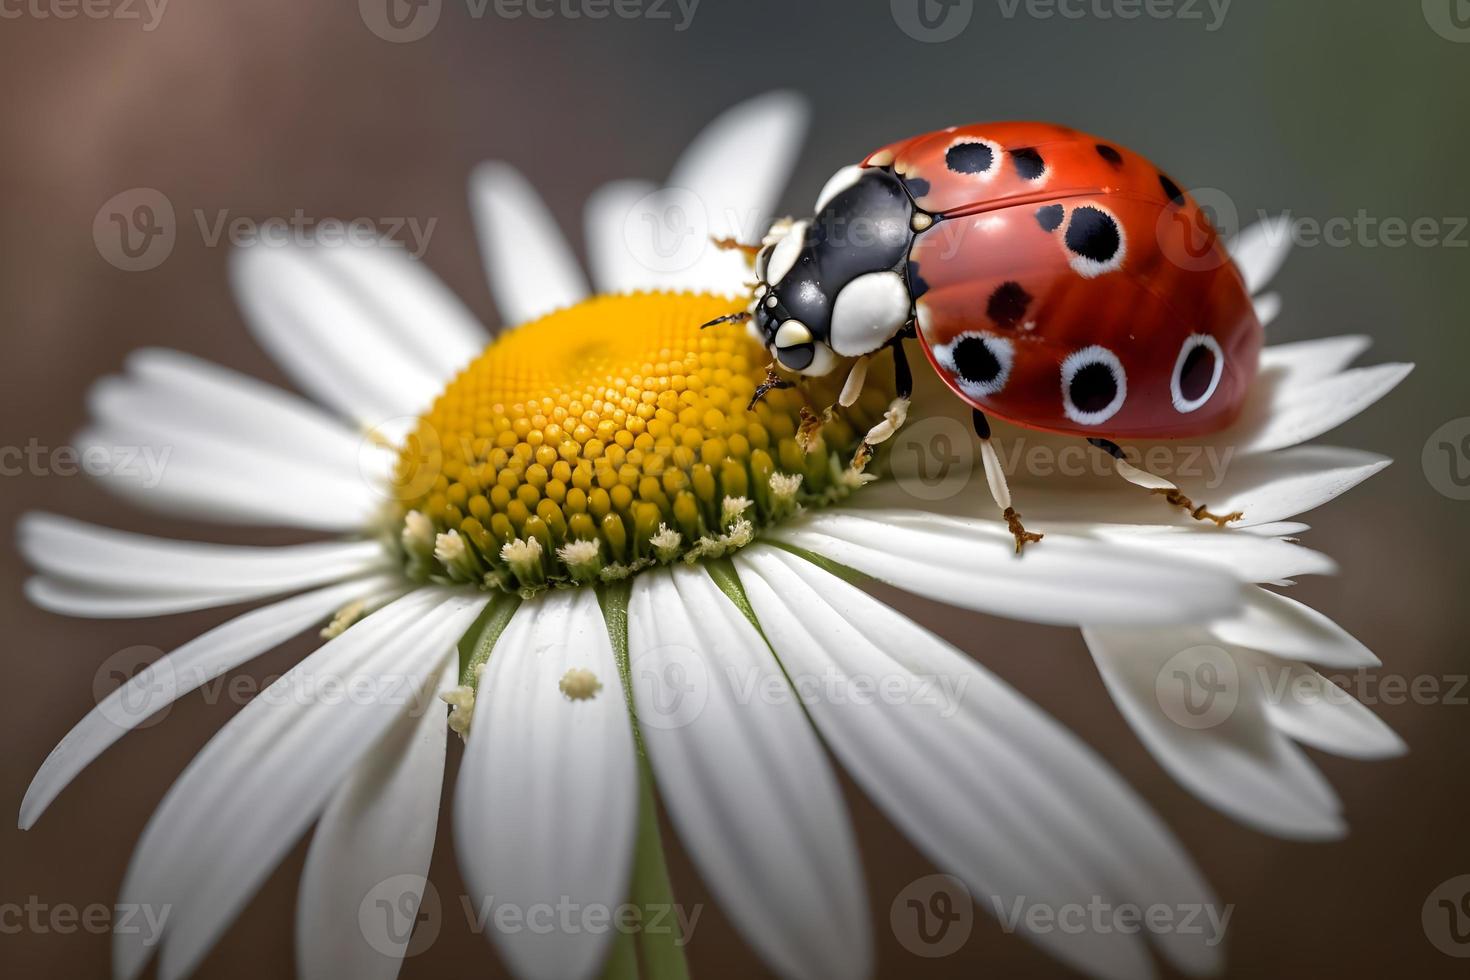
1053, 279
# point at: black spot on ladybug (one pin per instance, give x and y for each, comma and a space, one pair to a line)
917, 286
1029, 164
969, 158
916, 186
1093, 234
1050, 216
1109, 154
1007, 304
1171, 191
1197, 372
1093, 388
975, 361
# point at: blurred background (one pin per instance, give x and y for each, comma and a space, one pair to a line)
1350, 114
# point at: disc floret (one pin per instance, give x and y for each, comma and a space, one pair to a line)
609, 437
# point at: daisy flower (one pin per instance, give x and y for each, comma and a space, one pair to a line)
629, 587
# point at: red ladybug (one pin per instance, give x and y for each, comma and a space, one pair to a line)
1053, 279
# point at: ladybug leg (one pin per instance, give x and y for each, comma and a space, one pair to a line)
1161, 486
999, 489
773, 382
898, 409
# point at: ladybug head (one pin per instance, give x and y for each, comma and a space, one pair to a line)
832, 286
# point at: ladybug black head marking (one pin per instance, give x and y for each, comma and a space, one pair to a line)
834, 285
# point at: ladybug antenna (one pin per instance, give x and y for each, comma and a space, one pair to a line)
740, 317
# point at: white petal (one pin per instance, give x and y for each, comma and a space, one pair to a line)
1260, 250
725, 185
189, 474
744, 778
90, 602
531, 268
247, 797
547, 800
100, 556
1308, 707
615, 263
344, 349
1251, 557
1286, 628
1309, 360
1200, 709
430, 325
1286, 412
369, 856
1268, 307
988, 786
198, 396
172, 676
736, 168
971, 563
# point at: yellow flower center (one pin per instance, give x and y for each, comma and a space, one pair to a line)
613, 436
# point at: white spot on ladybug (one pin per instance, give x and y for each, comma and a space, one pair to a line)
784, 255
881, 159
868, 311
974, 156
836, 184
1094, 385
1197, 372
1094, 240
980, 363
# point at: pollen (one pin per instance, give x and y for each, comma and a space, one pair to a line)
613, 436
